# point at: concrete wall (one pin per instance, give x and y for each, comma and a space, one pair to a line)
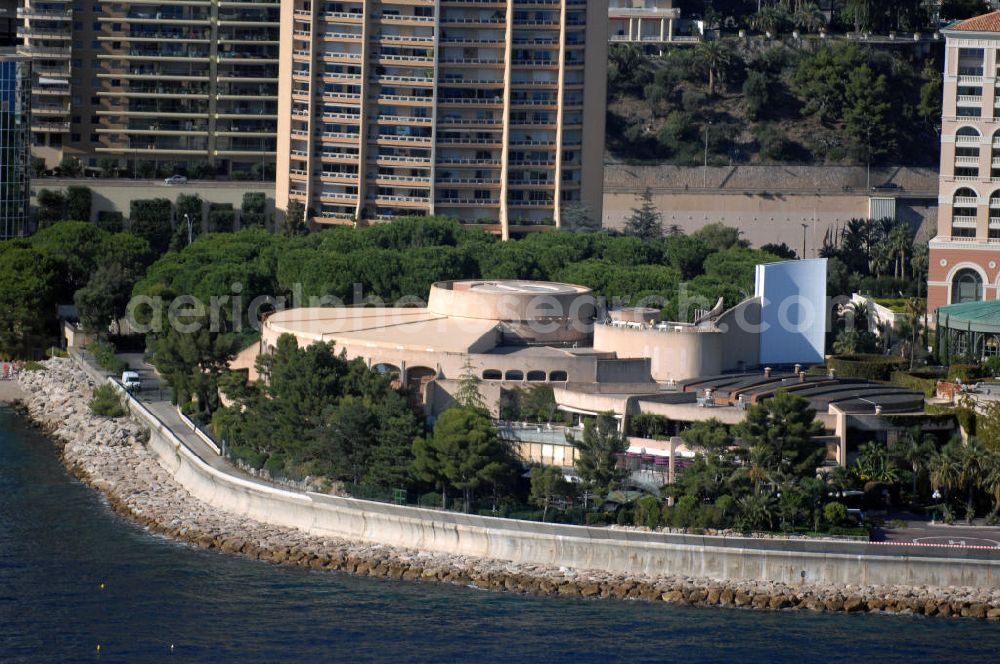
553, 544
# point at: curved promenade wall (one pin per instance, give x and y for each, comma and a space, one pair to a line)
561, 545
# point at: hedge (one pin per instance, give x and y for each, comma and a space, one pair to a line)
968, 373
913, 381
866, 366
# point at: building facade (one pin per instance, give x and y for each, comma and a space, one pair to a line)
15, 138
642, 21
965, 253
150, 89
474, 109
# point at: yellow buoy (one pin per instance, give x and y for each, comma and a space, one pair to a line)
98, 647
102, 586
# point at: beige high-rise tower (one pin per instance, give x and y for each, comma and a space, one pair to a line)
153, 87
488, 111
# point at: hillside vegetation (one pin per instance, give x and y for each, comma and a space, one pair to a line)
833, 104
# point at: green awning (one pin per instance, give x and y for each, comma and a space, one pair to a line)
972, 317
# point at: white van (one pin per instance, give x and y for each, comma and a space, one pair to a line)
130, 379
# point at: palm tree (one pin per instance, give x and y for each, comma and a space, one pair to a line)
769, 20
991, 479
915, 449
808, 18
914, 310
899, 243
759, 460
714, 55
944, 467
971, 469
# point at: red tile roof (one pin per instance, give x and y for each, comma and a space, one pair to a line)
985, 23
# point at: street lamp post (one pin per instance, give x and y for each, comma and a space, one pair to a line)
804, 227
704, 183
187, 220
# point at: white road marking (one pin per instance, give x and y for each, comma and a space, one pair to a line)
975, 541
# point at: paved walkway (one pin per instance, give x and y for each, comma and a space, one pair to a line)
155, 395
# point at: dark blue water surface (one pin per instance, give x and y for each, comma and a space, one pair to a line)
59, 542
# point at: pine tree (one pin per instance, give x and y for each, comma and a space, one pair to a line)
645, 222
468, 395
596, 461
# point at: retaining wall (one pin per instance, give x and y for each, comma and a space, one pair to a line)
561, 545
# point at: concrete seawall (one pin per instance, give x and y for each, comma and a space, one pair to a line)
140, 465
608, 550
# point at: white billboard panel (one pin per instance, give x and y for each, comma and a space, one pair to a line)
793, 311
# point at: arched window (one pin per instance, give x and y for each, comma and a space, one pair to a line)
536, 376
960, 343
967, 152
991, 346
557, 376
966, 286
514, 374
492, 374
963, 213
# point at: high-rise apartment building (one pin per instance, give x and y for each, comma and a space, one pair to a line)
46, 36
965, 253
489, 111
156, 87
15, 138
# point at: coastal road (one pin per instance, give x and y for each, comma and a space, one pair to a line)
924, 533
155, 395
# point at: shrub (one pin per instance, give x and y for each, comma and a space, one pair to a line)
430, 499
598, 518
106, 402
647, 512
865, 366
104, 353
648, 425
221, 217
624, 517
684, 513
275, 465
31, 365
835, 513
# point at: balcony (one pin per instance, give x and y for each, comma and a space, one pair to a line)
967, 201
972, 140
963, 222
967, 161
970, 100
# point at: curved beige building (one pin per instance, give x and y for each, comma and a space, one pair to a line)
512, 333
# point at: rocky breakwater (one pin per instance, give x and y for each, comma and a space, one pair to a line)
110, 455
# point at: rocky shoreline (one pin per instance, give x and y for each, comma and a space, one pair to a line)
110, 456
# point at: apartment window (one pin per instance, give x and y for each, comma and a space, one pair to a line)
95, 119
94, 138
969, 112
96, 27
94, 101
78, 25
97, 9
116, 82
74, 138
116, 27
75, 119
